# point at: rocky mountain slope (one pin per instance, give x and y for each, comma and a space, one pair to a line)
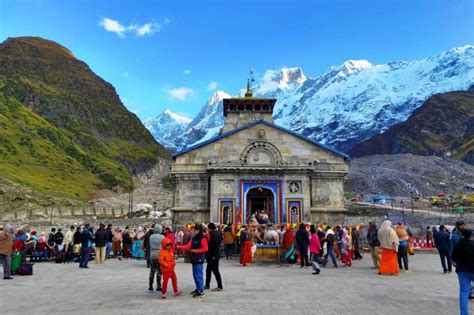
400, 174
442, 126
64, 130
349, 103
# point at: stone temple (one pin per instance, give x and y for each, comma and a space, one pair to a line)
254, 166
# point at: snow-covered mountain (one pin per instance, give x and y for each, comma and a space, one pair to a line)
166, 127
350, 102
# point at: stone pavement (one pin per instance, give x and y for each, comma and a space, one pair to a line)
119, 287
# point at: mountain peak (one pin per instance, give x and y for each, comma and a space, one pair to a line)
176, 117
26, 43
353, 66
217, 96
281, 79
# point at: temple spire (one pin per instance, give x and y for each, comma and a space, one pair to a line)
248, 93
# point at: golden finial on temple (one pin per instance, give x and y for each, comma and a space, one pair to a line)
248, 93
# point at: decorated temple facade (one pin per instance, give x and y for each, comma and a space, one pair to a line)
255, 170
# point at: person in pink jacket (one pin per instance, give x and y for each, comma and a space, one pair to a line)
314, 248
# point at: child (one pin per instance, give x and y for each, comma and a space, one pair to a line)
167, 263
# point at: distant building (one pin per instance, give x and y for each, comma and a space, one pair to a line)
254, 166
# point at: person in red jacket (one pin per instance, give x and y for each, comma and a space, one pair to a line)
198, 247
167, 264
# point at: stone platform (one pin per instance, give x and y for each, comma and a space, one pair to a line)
119, 287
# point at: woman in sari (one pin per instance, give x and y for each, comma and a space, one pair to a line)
346, 252
137, 250
389, 244
246, 253
288, 244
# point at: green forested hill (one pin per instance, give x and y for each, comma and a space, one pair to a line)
63, 129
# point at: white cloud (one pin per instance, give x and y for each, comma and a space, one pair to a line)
148, 29
114, 26
167, 21
187, 71
181, 94
125, 74
212, 86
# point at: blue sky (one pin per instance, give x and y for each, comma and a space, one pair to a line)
173, 54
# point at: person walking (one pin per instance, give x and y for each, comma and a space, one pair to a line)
302, 242
402, 254
213, 256
374, 244
198, 247
6, 244
86, 245
330, 239
156, 243
389, 242
229, 240
314, 249
463, 258
443, 244
167, 263
100, 240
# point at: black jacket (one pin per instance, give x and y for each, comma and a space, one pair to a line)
302, 240
110, 236
442, 241
215, 239
463, 256
76, 238
58, 238
100, 238
372, 237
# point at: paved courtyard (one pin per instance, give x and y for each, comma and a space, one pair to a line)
119, 287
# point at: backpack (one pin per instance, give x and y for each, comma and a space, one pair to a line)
60, 258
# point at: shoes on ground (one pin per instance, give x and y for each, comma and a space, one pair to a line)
7, 278
194, 292
206, 287
150, 289
158, 289
163, 296
199, 295
178, 293
216, 289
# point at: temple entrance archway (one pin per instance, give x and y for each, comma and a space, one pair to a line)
260, 199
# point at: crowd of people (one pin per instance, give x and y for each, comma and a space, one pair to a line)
389, 247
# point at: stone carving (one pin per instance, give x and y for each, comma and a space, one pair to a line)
261, 134
227, 187
293, 187
261, 153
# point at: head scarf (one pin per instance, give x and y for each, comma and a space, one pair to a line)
387, 236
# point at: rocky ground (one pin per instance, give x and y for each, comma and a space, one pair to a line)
400, 174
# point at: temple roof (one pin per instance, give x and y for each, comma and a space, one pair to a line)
254, 123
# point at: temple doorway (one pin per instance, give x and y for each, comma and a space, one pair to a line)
260, 199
